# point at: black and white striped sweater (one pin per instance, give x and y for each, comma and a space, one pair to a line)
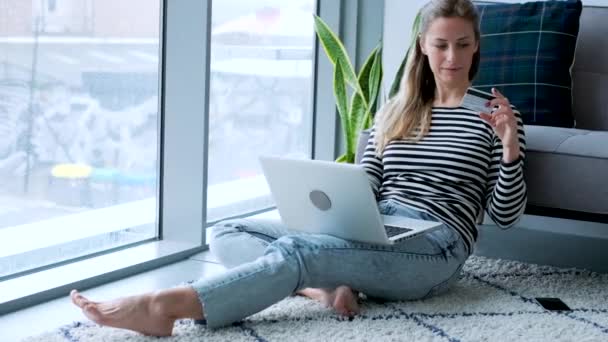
452, 173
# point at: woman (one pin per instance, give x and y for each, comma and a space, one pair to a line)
427, 158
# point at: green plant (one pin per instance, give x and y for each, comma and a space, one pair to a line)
401, 70
356, 114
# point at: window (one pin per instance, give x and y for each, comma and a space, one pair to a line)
52, 5
260, 102
84, 149
78, 129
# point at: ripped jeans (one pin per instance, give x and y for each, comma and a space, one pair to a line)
267, 262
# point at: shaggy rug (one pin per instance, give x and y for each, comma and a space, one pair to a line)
494, 301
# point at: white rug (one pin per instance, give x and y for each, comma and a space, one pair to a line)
492, 302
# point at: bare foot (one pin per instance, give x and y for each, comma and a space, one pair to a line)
137, 313
345, 301
342, 299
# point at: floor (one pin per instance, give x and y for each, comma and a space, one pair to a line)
58, 312
526, 243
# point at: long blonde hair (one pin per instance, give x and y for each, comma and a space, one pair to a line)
407, 115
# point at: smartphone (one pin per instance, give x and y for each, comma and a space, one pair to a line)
552, 304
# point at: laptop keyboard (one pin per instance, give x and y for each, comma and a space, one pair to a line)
394, 230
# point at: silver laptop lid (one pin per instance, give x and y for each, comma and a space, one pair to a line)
325, 197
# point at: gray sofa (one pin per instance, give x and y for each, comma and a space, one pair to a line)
567, 169
566, 220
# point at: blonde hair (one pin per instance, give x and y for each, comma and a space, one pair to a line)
407, 115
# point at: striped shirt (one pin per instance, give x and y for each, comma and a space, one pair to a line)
453, 173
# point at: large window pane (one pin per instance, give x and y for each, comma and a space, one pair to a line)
78, 128
260, 100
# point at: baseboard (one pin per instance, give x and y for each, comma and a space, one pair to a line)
566, 214
548, 241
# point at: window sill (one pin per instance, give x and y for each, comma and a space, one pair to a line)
74, 227
38, 287
31, 289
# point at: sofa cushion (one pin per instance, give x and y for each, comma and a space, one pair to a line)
564, 169
590, 70
527, 51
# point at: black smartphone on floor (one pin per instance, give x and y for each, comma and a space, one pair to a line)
552, 304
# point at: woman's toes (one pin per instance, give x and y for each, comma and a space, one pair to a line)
78, 299
345, 302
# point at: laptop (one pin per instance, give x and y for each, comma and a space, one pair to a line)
323, 197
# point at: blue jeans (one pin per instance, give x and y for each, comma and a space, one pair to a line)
267, 262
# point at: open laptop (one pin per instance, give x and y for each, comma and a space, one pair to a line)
331, 198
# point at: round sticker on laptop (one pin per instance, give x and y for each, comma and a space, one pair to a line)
320, 200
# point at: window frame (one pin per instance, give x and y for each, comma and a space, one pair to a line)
182, 155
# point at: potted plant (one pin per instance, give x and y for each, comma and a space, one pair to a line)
357, 113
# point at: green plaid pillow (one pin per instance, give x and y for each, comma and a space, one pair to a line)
526, 52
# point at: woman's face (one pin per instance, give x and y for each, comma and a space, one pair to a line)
450, 44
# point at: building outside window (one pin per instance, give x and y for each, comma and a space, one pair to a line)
261, 97
80, 124
79, 127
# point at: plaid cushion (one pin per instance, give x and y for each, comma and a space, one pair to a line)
526, 52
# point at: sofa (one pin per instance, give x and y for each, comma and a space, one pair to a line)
566, 219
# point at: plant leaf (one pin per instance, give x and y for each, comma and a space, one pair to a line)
350, 158
363, 77
401, 70
335, 51
342, 159
375, 81
358, 113
342, 102
346, 158
367, 120
398, 76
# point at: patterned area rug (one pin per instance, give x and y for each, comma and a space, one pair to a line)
492, 302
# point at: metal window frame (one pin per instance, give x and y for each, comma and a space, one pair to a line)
183, 154
325, 120
183, 81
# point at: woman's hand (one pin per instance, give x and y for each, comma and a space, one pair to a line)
504, 123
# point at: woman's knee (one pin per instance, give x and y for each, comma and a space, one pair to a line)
232, 244
223, 234
223, 228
